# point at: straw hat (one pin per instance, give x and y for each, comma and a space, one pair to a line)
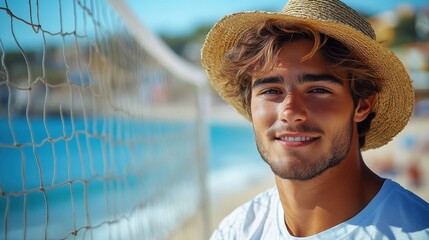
394, 104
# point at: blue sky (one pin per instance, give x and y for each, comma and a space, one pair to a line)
181, 16
172, 17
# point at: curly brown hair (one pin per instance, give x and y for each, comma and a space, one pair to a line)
256, 51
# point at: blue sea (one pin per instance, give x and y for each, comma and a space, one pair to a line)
232, 145
88, 156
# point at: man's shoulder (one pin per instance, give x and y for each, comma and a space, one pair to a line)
251, 214
395, 211
403, 197
261, 203
408, 202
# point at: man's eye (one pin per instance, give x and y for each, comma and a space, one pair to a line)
319, 90
271, 92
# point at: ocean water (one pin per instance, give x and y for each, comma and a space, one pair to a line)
232, 145
234, 161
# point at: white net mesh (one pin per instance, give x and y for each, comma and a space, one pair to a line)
97, 139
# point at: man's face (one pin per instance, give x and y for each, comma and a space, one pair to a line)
302, 114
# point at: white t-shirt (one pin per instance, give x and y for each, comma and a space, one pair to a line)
394, 213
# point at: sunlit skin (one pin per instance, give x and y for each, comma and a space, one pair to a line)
305, 126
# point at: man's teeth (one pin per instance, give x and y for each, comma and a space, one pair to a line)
296, 139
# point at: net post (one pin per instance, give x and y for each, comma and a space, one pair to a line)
204, 102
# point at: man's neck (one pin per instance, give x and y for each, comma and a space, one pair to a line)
335, 196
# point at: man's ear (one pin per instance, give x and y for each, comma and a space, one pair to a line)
364, 108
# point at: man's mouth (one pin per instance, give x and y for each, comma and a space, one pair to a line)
297, 139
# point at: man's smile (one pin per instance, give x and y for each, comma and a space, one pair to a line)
296, 141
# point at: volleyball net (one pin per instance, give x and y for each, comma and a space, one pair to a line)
102, 129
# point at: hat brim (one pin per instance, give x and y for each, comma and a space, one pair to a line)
394, 104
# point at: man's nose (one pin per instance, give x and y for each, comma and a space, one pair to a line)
293, 108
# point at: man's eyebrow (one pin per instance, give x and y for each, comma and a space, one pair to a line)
267, 80
320, 77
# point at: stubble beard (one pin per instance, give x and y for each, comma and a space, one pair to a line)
303, 169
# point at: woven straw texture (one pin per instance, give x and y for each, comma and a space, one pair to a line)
394, 104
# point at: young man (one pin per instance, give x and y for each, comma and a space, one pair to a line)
318, 90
